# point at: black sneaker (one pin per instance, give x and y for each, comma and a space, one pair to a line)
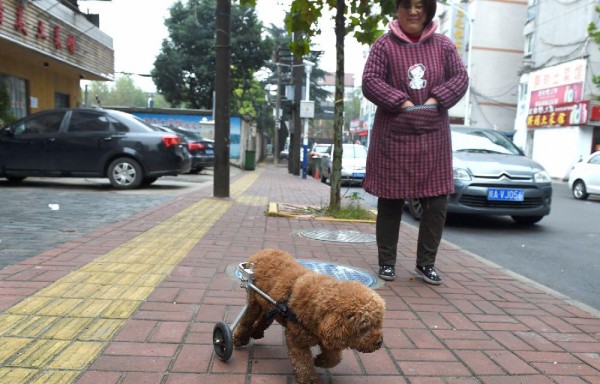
429, 274
387, 272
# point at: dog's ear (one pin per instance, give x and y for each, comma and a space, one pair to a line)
335, 331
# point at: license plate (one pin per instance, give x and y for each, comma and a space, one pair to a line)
358, 175
506, 194
208, 151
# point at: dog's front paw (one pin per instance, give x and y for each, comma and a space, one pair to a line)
240, 340
258, 334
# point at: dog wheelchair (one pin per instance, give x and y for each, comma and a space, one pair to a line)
222, 333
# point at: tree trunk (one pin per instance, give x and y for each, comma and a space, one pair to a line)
338, 114
222, 92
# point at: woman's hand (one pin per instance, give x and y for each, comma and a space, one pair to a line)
431, 101
407, 104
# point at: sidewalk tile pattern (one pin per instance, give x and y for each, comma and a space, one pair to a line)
136, 302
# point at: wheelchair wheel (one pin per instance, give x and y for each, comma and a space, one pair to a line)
222, 341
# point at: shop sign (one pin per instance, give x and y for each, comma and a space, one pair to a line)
459, 29
560, 115
571, 72
594, 113
39, 30
357, 125
556, 98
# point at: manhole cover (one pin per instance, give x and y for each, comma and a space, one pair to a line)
340, 272
338, 236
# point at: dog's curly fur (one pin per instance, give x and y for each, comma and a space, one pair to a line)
332, 314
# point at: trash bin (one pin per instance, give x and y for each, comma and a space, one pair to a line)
249, 160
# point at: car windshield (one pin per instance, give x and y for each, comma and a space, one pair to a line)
481, 140
354, 152
321, 148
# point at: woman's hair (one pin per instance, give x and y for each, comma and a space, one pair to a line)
429, 5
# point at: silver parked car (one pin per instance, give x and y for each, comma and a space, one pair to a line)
492, 176
584, 178
354, 163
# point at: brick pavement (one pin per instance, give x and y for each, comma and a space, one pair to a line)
498, 329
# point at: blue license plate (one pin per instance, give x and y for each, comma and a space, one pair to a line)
358, 175
506, 194
208, 151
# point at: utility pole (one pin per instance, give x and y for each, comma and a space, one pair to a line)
307, 115
277, 112
222, 85
294, 156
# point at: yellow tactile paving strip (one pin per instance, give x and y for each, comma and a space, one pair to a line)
54, 335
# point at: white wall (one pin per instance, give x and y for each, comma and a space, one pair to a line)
557, 149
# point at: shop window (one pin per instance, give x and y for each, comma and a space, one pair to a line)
61, 100
528, 49
17, 92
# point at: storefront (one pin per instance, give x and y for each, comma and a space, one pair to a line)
46, 48
559, 127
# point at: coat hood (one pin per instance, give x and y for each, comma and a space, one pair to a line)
396, 31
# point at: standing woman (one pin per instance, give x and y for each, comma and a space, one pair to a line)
413, 75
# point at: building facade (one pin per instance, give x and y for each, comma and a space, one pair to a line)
489, 37
556, 123
46, 48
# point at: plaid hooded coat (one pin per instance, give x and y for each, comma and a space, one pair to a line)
410, 152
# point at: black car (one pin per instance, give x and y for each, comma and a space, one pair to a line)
71, 142
201, 149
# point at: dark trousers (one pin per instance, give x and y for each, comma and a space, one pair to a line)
431, 226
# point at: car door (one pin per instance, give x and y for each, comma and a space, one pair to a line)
593, 170
86, 139
29, 145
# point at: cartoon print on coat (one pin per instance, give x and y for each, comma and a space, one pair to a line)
416, 73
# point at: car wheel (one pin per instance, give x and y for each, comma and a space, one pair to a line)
323, 178
579, 190
527, 220
125, 173
415, 209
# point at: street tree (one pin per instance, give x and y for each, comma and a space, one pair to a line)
123, 92
595, 35
364, 19
184, 70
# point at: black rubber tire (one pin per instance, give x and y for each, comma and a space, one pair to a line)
125, 173
415, 209
579, 190
222, 341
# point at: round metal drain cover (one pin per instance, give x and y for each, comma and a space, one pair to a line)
339, 272
338, 236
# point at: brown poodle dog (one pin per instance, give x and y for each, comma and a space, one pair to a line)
314, 309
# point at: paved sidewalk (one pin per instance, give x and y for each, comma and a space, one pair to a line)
136, 302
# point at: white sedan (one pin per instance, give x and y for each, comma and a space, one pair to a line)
584, 178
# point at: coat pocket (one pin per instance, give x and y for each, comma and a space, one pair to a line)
417, 120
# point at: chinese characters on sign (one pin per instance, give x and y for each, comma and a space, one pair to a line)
39, 30
557, 96
459, 29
